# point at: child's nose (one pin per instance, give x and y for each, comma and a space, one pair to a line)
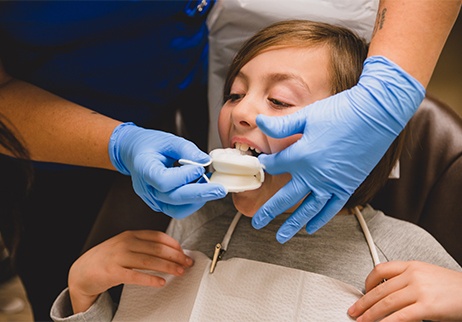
245, 113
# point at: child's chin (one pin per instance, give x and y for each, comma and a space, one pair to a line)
245, 203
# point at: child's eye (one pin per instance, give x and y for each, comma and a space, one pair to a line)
278, 103
233, 97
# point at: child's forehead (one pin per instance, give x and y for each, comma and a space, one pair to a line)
295, 56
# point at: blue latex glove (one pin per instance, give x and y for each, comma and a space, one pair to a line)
148, 156
344, 137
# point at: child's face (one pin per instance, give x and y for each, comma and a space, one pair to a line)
277, 82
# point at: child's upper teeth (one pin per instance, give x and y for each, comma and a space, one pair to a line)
244, 147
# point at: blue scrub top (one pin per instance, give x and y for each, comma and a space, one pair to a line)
122, 58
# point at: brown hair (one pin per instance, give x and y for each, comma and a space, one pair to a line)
347, 54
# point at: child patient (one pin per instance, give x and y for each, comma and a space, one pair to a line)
280, 70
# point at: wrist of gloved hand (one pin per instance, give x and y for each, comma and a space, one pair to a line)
392, 89
114, 145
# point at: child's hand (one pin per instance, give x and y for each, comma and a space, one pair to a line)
413, 291
113, 262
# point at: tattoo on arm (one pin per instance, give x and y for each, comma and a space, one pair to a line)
379, 21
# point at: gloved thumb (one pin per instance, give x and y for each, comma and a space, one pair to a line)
282, 126
189, 151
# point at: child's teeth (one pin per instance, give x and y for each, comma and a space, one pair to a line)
244, 147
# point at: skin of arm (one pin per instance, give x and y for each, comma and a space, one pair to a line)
413, 291
412, 33
117, 261
54, 129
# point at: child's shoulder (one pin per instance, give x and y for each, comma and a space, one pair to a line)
398, 239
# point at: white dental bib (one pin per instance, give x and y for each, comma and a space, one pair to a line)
239, 290
243, 289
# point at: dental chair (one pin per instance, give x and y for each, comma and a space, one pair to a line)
429, 189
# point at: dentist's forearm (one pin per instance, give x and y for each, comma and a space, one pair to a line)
54, 129
412, 33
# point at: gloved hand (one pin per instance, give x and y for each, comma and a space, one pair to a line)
148, 156
344, 137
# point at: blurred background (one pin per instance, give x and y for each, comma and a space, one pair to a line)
446, 82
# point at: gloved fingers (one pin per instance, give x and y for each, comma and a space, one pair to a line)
182, 211
172, 204
163, 178
192, 193
202, 179
174, 211
183, 149
282, 126
146, 193
285, 198
309, 208
332, 207
277, 163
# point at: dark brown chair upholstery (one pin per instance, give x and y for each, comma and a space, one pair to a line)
429, 190
124, 210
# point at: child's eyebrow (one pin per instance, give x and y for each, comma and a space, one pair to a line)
279, 77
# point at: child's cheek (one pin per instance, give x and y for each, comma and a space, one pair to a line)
224, 124
278, 145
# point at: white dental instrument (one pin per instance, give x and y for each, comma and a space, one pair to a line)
236, 171
233, 169
184, 161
